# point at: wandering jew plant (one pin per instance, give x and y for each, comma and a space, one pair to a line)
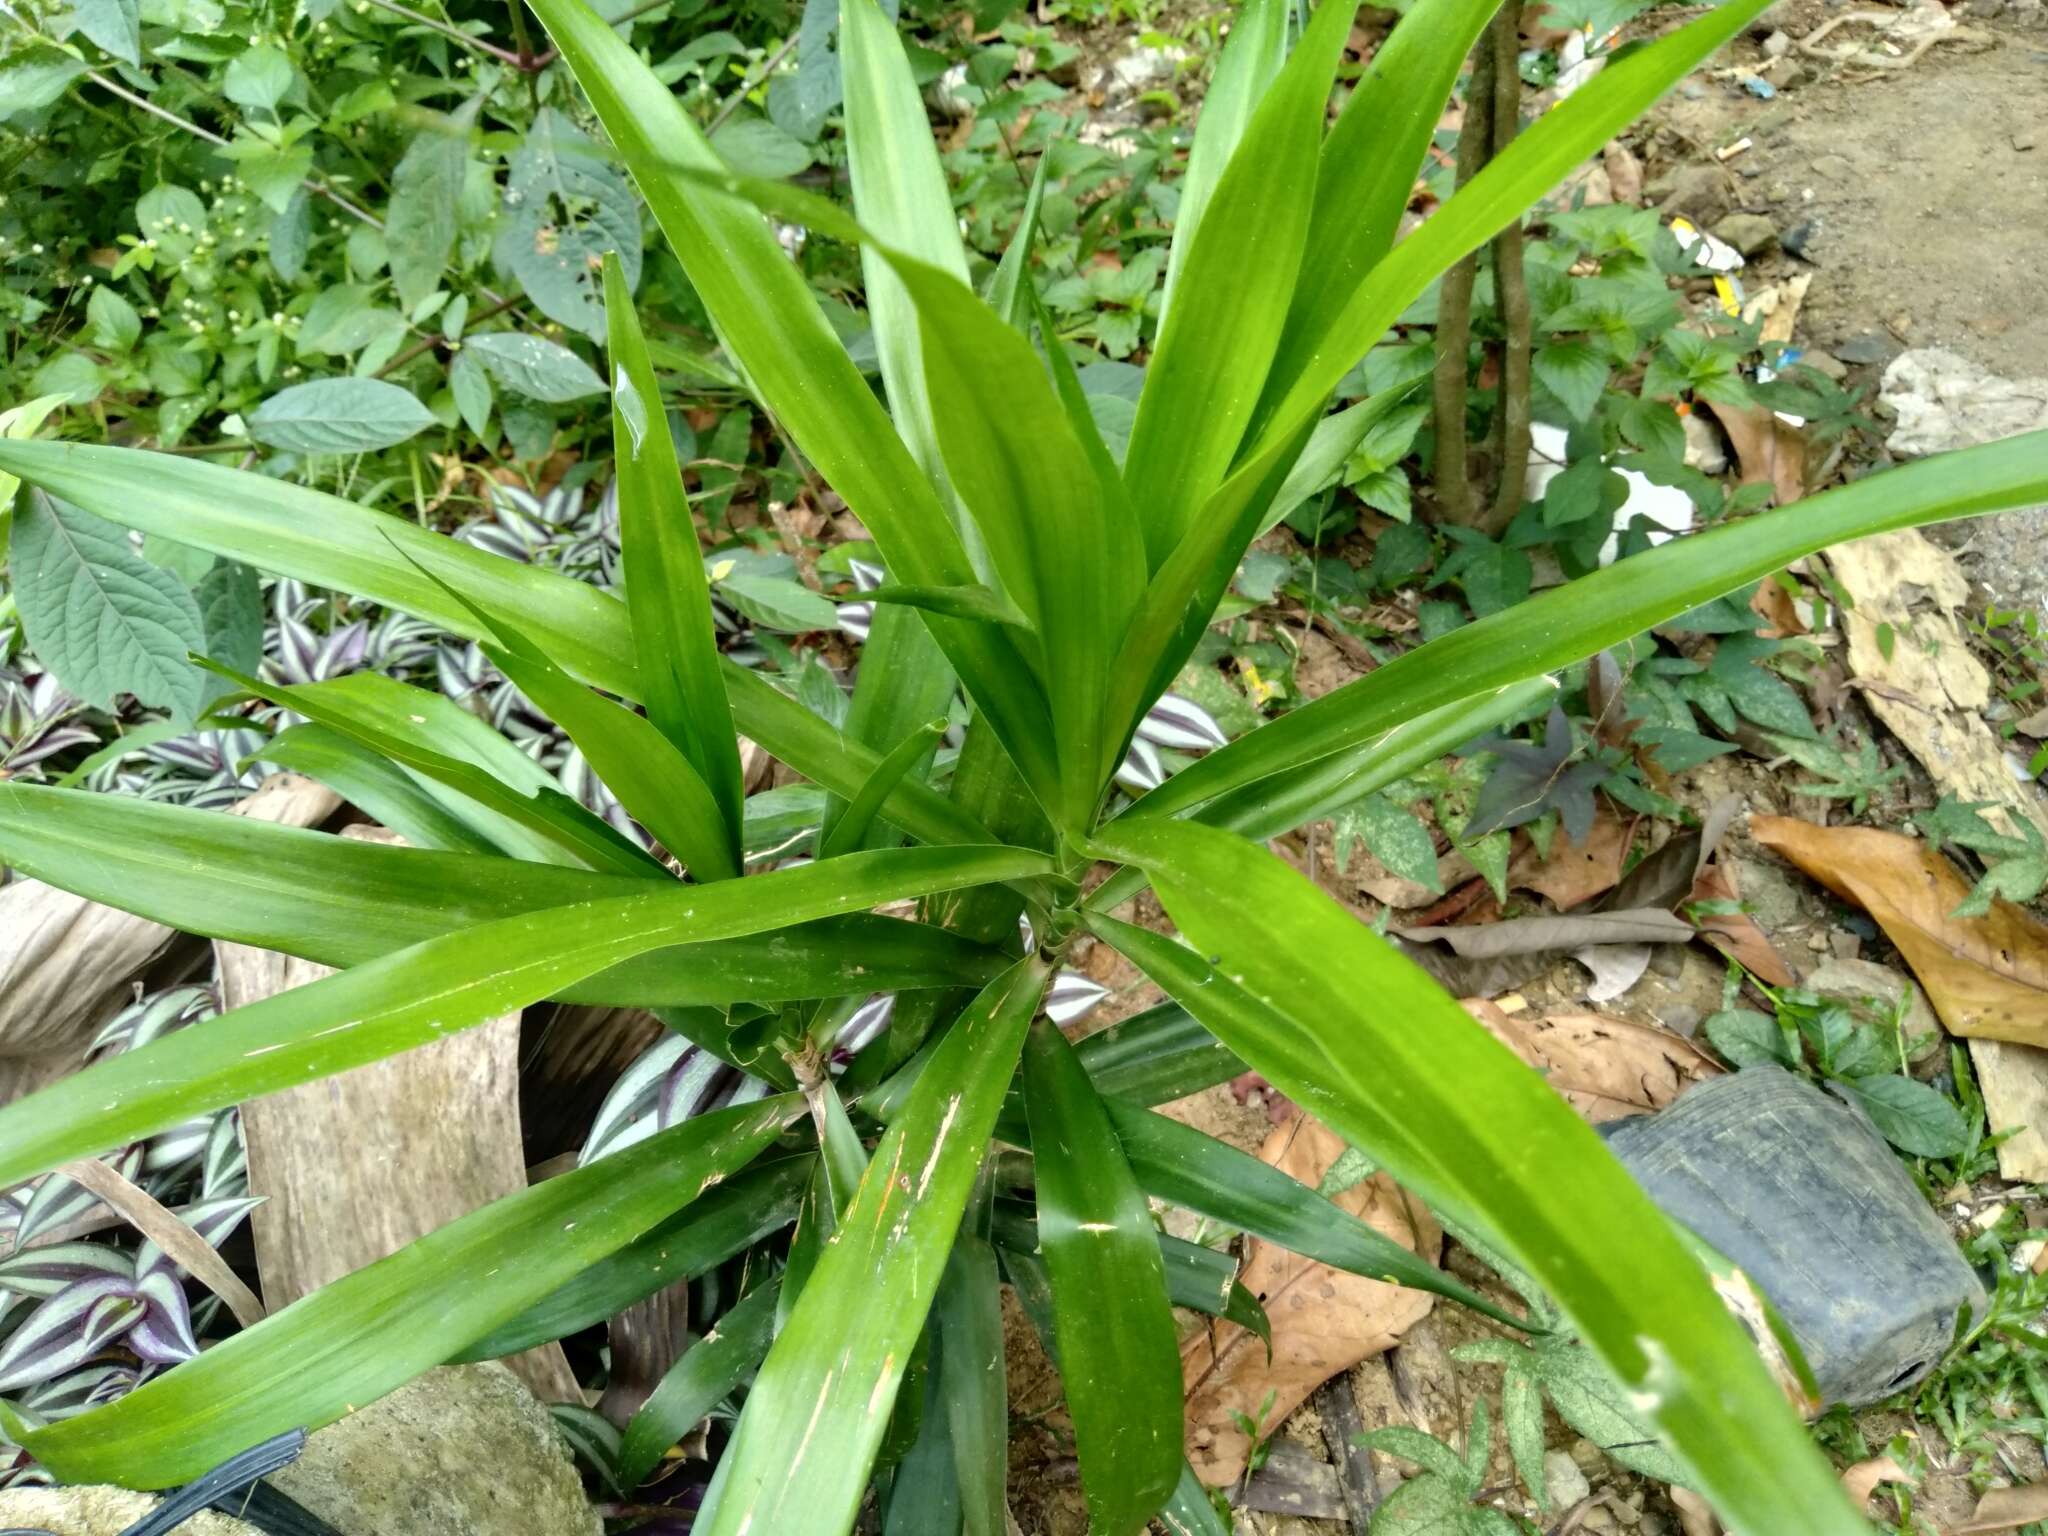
1059, 590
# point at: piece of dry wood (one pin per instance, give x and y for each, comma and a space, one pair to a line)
1324, 1321
355, 1166
571, 1054
67, 964
185, 1247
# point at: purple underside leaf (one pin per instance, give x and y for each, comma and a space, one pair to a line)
44, 1272
1529, 781
69, 1329
163, 1334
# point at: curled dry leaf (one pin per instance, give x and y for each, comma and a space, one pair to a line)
1770, 450
1324, 1320
1736, 934
1607, 1069
1861, 1480
1986, 976
1575, 872
2005, 1509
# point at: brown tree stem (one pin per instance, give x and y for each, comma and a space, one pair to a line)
1511, 286
1454, 308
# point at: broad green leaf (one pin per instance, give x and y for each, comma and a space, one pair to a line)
815, 1418
351, 1342
1179, 1164
35, 76
98, 615
1119, 1356
341, 901
534, 366
765, 312
1365, 1040
1569, 623
653, 780
292, 531
969, 1318
116, 25
419, 994
745, 1210
426, 193
1913, 1116
851, 829
339, 416
1330, 447
567, 208
1232, 294
667, 596
375, 785
706, 1374
258, 77
529, 812
1245, 71
230, 600
116, 324
976, 602
754, 146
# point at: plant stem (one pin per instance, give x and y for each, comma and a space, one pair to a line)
428, 343
1454, 307
1511, 285
751, 82
489, 50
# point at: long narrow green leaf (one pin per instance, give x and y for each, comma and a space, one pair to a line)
417, 995
738, 1214
1363, 1038
899, 192
351, 1342
770, 322
1119, 1356
851, 830
903, 680
1569, 623
818, 1409
341, 901
1179, 1164
1156, 1056
289, 530
1338, 330
1231, 298
654, 779
1272, 807
440, 740
969, 1317
706, 1374
376, 786
1245, 71
668, 598
1200, 1279
1369, 165
1009, 293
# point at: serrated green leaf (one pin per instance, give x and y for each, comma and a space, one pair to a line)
1575, 372
98, 615
426, 194
339, 416
567, 207
1913, 1116
535, 367
1393, 835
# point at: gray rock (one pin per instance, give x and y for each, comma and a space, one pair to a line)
1563, 1481
1867, 347
1945, 401
99, 1512
1697, 192
1865, 979
465, 1450
1834, 167
1749, 233
1777, 45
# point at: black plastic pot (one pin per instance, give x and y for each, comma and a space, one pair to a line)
1798, 1189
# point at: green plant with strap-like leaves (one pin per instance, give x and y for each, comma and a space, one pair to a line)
1062, 590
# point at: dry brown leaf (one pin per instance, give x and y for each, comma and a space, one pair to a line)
1575, 873
1624, 172
1324, 1320
1770, 451
1915, 669
1607, 1069
2002, 1509
1986, 976
1736, 934
1776, 607
1861, 1480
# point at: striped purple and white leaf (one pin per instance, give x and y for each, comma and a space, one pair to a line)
1175, 724
69, 1329
672, 1081
857, 618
